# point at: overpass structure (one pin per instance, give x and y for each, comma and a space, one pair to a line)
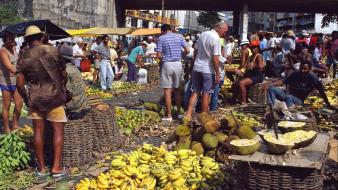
240, 8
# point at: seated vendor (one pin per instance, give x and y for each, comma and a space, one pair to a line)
319, 68
300, 83
75, 84
253, 73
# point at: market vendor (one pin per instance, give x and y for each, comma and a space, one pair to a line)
300, 83
75, 84
135, 57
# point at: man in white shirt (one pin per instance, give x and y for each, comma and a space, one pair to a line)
206, 72
78, 52
150, 51
94, 45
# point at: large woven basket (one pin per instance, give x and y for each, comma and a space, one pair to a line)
107, 135
153, 72
263, 176
78, 142
257, 93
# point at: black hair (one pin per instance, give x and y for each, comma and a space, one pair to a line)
7, 35
306, 62
165, 27
99, 38
34, 37
105, 36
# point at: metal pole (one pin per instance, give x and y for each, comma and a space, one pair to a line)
189, 21
163, 15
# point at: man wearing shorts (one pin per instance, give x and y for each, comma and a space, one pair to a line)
96, 58
45, 76
169, 50
206, 72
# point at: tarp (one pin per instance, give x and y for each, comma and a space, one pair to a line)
53, 31
115, 31
146, 31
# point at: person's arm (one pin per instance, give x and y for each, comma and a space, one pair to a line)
244, 58
260, 62
20, 85
186, 50
321, 90
215, 59
6, 62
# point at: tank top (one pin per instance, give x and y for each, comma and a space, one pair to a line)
6, 77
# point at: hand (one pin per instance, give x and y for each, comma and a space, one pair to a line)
218, 78
266, 87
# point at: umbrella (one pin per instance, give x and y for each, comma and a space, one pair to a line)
53, 31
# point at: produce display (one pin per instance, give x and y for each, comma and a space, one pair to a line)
331, 91
17, 180
91, 91
245, 146
301, 138
120, 87
13, 153
87, 75
129, 119
151, 167
288, 126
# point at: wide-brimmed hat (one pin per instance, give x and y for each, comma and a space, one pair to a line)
32, 30
290, 33
254, 43
244, 42
66, 52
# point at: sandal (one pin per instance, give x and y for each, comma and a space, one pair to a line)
60, 174
41, 177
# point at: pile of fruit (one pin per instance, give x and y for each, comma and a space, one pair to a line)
91, 91
129, 119
25, 132
212, 138
151, 168
17, 180
13, 153
87, 76
226, 89
122, 87
331, 91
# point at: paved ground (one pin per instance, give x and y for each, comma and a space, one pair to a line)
154, 95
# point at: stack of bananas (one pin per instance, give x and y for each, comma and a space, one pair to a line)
91, 91
245, 119
331, 93
26, 131
151, 167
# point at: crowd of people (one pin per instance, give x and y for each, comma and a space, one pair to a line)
48, 79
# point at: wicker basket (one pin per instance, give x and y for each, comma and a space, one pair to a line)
258, 109
78, 142
263, 176
107, 135
257, 94
153, 72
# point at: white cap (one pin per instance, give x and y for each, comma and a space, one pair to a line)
244, 42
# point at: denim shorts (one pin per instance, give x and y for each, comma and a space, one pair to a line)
202, 82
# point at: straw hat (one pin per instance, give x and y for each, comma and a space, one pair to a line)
32, 30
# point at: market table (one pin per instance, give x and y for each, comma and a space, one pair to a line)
298, 169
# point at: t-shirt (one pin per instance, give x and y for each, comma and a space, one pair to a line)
77, 51
228, 50
316, 55
334, 48
287, 44
208, 45
268, 54
301, 85
103, 51
150, 48
134, 53
170, 45
113, 55
94, 46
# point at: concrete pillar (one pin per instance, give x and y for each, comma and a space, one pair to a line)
151, 24
244, 22
128, 22
120, 16
139, 23
236, 21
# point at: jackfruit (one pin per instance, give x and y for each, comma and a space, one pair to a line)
185, 139
180, 146
209, 141
151, 106
204, 117
221, 137
198, 148
245, 146
277, 146
182, 130
245, 132
211, 126
229, 122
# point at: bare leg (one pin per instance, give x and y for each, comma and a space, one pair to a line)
17, 110
58, 135
178, 99
167, 99
192, 102
205, 102
6, 103
242, 86
39, 141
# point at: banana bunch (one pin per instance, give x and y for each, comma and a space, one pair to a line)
13, 153
227, 83
151, 167
25, 131
331, 93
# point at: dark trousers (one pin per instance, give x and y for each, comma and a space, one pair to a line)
131, 76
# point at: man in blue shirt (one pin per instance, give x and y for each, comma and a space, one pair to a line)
169, 50
134, 57
301, 83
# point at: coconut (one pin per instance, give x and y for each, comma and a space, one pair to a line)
209, 141
221, 137
245, 146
